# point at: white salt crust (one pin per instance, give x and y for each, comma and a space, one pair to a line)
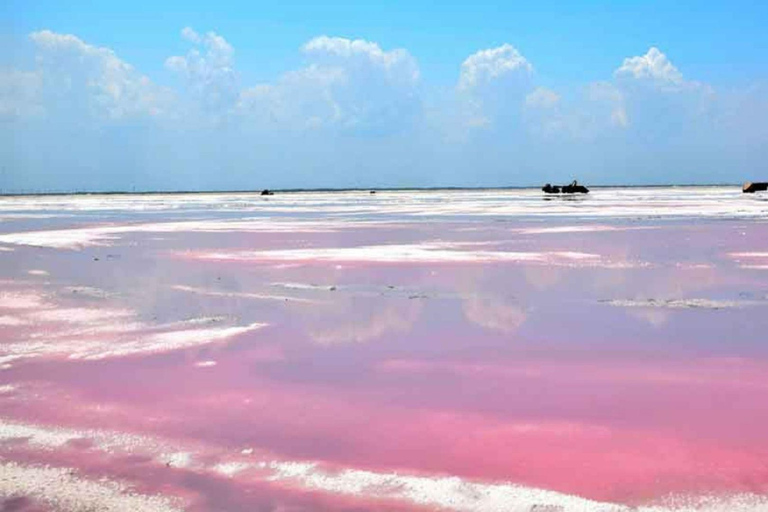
62, 490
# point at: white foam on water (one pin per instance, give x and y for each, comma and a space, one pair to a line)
38, 272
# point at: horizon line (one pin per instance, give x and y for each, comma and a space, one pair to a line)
344, 189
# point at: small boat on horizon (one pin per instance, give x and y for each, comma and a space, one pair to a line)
572, 188
752, 187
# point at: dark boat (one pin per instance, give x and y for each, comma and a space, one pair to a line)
267, 192
751, 188
573, 188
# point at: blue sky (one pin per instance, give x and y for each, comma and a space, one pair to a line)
115, 95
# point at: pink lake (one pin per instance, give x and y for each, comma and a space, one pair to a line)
417, 351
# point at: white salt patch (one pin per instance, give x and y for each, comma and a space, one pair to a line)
87, 291
54, 438
569, 229
423, 253
60, 489
300, 286
449, 493
78, 238
205, 364
751, 260
444, 492
607, 203
683, 303
61, 239
91, 335
230, 469
37, 436
81, 315
11, 321
694, 266
21, 300
454, 493
201, 320
161, 342
98, 332
7, 389
238, 295
751, 255
742, 502
177, 459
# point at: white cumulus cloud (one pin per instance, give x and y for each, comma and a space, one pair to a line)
93, 79
492, 87
542, 97
400, 67
351, 84
208, 69
493, 63
654, 66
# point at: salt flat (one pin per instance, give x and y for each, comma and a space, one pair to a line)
482, 350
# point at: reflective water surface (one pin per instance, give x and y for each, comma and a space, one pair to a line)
461, 350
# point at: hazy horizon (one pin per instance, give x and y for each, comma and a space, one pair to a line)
356, 189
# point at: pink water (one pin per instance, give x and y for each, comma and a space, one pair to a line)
474, 351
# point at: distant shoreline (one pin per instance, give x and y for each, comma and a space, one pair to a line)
354, 189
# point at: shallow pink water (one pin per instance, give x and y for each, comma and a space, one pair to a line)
329, 352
